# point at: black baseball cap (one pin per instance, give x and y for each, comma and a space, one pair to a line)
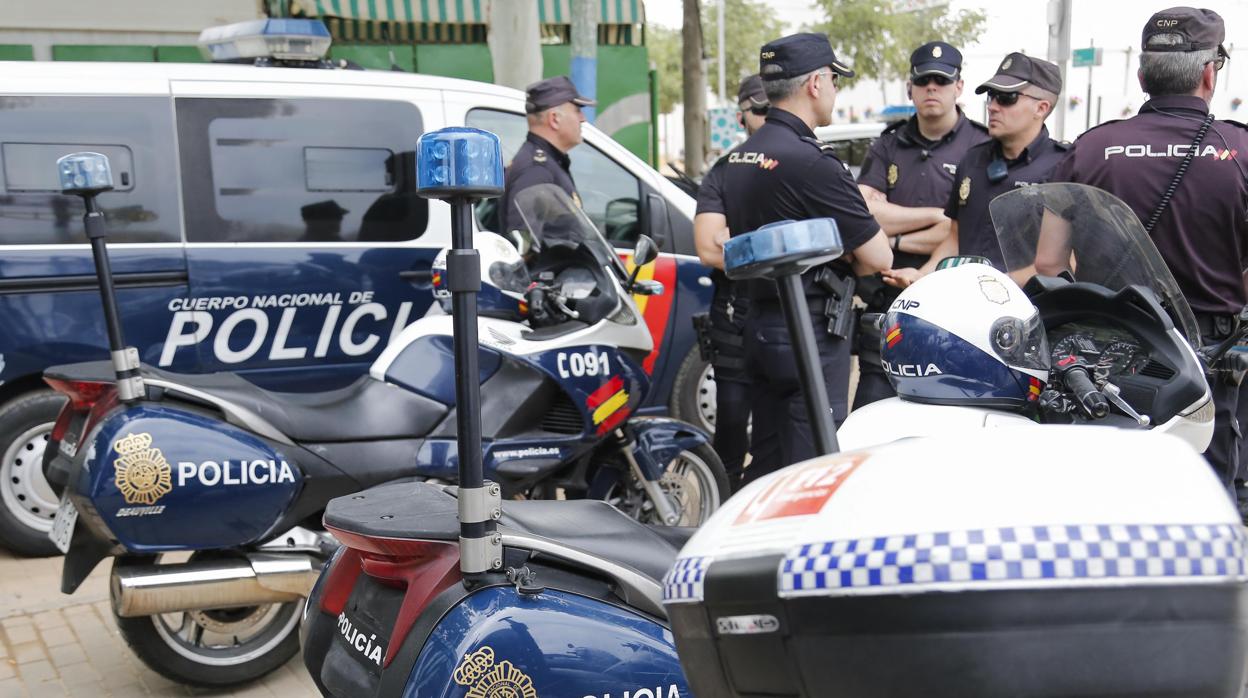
936, 58
1201, 29
552, 92
798, 54
751, 93
1020, 70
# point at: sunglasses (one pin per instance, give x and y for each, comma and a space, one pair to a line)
759, 111
925, 80
1006, 99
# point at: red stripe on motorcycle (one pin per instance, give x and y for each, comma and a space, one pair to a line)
608, 389
614, 420
659, 308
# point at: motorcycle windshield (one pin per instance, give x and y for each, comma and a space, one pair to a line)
554, 220
1062, 227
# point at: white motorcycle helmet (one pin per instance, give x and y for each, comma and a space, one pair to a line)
965, 335
504, 278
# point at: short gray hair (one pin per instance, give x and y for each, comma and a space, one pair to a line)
778, 90
1172, 72
1045, 95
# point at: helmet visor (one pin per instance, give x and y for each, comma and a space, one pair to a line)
1021, 343
511, 277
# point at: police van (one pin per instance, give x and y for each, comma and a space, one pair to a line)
264, 222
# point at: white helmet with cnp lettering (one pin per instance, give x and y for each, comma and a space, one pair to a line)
965, 335
504, 278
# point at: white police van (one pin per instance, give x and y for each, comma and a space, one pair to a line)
265, 222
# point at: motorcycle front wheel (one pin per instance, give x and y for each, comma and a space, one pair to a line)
214, 648
694, 481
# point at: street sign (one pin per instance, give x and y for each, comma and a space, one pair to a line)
1086, 57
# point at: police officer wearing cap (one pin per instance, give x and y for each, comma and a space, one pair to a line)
723, 328
1020, 97
906, 179
1202, 229
554, 114
784, 172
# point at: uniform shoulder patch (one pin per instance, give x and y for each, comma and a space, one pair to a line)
1100, 125
975, 124
1232, 122
1063, 145
826, 148
893, 127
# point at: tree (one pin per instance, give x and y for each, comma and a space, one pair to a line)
877, 36
748, 24
694, 88
664, 47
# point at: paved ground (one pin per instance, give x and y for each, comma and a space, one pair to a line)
53, 645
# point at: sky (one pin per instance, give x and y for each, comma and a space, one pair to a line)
1021, 25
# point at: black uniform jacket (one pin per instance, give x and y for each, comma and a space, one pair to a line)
1203, 234
973, 190
783, 172
537, 162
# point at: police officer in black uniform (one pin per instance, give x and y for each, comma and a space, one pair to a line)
554, 114
784, 172
724, 326
1202, 230
1020, 97
906, 179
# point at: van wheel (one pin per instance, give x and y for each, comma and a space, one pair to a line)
27, 502
693, 392
214, 648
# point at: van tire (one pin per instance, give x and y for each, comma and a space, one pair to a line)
693, 392
27, 503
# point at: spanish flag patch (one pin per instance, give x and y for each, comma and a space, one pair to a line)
893, 336
609, 404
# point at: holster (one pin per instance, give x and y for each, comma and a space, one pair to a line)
839, 304
706, 344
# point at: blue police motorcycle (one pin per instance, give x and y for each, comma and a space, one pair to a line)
444, 591
208, 491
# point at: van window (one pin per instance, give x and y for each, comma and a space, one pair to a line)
136, 133
609, 193
300, 170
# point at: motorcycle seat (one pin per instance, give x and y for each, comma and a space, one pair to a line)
365, 410
428, 512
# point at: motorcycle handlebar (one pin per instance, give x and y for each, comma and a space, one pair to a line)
1091, 399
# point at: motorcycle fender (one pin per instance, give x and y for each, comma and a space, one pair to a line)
160, 478
657, 441
85, 552
554, 643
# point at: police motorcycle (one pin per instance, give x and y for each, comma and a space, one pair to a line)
1097, 334
448, 592
208, 491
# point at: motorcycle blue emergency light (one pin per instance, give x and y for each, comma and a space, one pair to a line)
459, 162
783, 247
84, 173
279, 39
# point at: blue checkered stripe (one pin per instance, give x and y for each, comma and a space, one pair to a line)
1011, 555
684, 581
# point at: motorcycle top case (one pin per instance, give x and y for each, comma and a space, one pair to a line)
170, 479
1055, 561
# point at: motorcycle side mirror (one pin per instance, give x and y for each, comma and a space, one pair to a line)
648, 287
644, 252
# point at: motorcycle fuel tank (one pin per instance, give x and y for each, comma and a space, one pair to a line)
162, 478
1055, 561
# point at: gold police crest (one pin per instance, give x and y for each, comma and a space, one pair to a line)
1005, 65
964, 191
936, 52
892, 174
141, 472
485, 679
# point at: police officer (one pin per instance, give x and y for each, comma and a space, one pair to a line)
906, 179
1202, 230
1020, 97
784, 172
730, 304
554, 114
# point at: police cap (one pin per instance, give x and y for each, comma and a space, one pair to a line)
1200, 30
798, 54
936, 58
552, 92
1018, 71
751, 94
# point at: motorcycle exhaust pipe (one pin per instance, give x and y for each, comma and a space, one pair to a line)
145, 590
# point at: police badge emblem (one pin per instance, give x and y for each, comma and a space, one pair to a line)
141, 473
892, 175
994, 291
539, 155
936, 51
1005, 65
964, 191
485, 679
